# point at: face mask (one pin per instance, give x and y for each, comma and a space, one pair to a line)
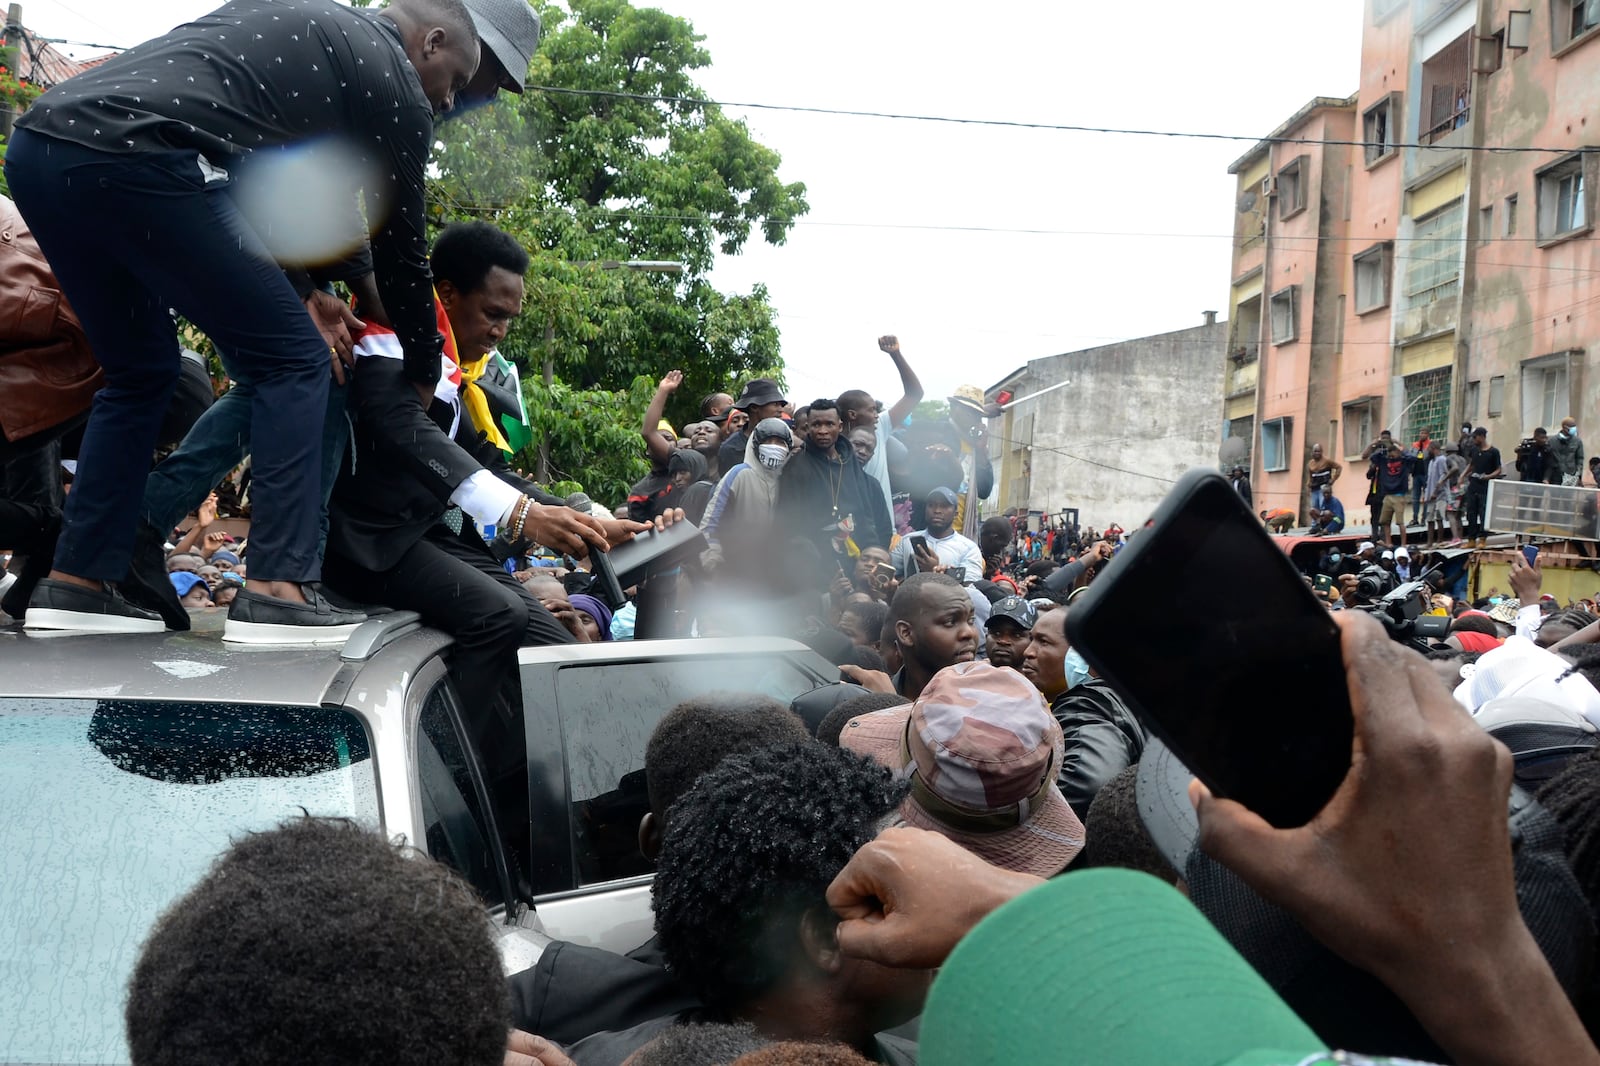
772, 456
1077, 670
1567, 431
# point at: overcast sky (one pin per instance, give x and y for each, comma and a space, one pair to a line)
915, 227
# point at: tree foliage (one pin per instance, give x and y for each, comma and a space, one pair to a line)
595, 177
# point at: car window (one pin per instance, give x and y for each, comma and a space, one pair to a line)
453, 821
608, 712
113, 809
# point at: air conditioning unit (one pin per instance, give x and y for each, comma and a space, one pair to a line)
1269, 186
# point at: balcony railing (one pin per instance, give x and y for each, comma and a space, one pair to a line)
1448, 126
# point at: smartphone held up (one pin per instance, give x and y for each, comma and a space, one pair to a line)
1240, 672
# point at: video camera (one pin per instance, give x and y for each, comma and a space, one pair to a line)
1401, 608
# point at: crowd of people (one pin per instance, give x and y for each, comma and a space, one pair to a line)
1444, 486
969, 857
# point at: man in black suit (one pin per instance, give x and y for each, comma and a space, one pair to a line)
422, 476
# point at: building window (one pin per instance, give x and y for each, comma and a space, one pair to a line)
1546, 392
1563, 198
1378, 128
1497, 396
1275, 441
1447, 90
1292, 181
1486, 222
1284, 308
1508, 217
1434, 267
1372, 277
1244, 431
1357, 427
1469, 401
1572, 19
1428, 404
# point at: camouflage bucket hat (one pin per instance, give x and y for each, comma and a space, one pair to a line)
982, 752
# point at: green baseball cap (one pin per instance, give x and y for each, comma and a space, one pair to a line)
1106, 966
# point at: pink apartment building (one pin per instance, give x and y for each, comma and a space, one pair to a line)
1414, 280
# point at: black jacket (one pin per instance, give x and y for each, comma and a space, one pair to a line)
811, 485
402, 467
1102, 736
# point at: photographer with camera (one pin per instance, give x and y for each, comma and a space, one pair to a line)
1390, 472
1535, 461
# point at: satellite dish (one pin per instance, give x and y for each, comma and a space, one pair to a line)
1233, 450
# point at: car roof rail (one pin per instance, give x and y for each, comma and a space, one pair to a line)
377, 633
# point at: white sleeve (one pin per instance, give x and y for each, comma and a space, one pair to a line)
972, 559
1528, 620
485, 497
902, 557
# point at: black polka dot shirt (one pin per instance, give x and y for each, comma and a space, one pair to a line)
260, 75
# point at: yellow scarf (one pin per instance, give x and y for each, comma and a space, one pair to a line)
477, 404
472, 397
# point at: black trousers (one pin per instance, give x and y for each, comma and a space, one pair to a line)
1473, 501
457, 586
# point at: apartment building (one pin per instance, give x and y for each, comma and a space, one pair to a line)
1285, 301
1462, 281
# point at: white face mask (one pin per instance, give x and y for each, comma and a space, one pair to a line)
772, 456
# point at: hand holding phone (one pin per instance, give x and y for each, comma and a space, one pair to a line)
1211, 691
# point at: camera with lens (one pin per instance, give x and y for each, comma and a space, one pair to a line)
1401, 610
1372, 582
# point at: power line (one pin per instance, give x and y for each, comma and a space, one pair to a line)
698, 102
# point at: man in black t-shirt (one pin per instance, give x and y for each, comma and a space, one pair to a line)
1484, 468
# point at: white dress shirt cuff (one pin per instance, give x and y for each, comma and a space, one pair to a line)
485, 497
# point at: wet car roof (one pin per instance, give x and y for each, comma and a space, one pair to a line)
195, 666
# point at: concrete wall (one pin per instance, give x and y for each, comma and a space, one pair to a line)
1533, 302
1134, 416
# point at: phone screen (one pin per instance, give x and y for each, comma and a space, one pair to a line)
1530, 552
1212, 636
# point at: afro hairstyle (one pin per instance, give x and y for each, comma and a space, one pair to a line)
465, 252
700, 1044
749, 851
699, 733
319, 943
833, 725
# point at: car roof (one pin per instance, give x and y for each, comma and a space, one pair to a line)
686, 648
195, 666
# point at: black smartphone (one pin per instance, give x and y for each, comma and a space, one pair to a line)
920, 543
1239, 672
1322, 583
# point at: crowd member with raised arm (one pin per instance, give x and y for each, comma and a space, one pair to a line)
858, 410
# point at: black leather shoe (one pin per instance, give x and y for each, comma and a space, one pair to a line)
147, 584
35, 566
345, 603
257, 619
59, 605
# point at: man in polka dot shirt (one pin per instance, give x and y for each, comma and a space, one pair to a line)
129, 176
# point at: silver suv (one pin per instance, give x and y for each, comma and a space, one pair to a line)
131, 761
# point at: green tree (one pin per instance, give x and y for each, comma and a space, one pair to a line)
594, 176
931, 411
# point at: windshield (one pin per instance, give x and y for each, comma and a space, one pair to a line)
113, 808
